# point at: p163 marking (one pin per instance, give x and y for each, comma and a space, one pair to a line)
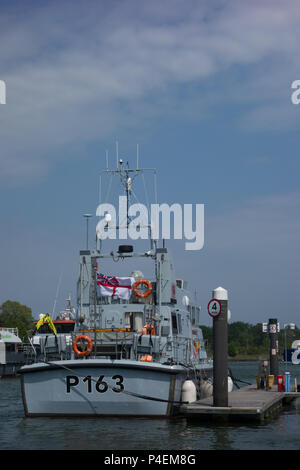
99, 385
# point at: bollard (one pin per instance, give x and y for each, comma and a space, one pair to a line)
270, 382
280, 383
287, 381
257, 382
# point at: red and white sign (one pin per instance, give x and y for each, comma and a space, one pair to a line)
214, 308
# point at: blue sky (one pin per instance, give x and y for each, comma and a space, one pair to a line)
204, 88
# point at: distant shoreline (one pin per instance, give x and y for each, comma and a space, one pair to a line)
245, 359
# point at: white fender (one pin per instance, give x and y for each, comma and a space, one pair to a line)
188, 391
230, 384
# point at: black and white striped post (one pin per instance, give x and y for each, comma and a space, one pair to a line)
218, 310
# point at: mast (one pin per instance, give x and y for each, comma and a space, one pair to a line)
127, 176
127, 182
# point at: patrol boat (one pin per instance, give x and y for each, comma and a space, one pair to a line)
137, 348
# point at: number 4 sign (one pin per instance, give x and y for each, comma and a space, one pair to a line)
214, 308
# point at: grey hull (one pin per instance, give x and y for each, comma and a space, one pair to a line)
101, 387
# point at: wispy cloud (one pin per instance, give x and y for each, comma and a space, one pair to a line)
77, 73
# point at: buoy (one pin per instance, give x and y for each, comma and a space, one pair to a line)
188, 391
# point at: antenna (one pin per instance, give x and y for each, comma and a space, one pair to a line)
87, 216
57, 291
106, 154
127, 176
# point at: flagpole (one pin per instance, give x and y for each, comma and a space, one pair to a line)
57, 290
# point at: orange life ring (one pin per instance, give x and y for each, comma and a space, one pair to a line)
148, 329
89, 348
137, 283
195, 349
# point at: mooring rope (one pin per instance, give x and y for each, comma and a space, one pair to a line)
235, 380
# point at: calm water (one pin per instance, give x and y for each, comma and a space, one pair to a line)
20, 433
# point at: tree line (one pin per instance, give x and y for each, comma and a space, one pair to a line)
15, 315
245, 339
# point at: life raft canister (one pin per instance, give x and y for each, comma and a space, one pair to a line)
145, 282
80, 339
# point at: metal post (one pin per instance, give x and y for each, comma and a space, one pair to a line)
285, 350
220, 339
273, 335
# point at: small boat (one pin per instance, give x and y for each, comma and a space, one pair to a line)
137, 348
12, 352
53, 338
